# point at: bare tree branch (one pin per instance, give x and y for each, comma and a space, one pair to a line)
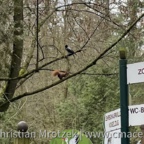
75, 74
100, 56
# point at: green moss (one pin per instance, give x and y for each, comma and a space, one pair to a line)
122, 53
22, 71
2, 91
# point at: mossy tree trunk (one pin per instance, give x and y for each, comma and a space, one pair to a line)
17, 53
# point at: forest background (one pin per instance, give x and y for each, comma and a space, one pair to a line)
31, 48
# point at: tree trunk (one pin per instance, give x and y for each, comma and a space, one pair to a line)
16, 55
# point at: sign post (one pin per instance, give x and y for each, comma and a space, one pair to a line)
120, 119
124, 97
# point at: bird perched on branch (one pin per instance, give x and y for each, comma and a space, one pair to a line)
60, 74
69, 50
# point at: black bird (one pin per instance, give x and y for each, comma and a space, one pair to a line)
69, 50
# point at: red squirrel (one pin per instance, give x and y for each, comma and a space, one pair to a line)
60, 74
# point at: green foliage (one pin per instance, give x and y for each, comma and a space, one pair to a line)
93, 97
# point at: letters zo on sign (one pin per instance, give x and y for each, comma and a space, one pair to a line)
135, 73
141, 71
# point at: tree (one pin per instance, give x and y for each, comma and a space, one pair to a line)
95, 30
17, 52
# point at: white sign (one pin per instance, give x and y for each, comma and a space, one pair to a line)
113, 118
135, 73
136, 115
113, 137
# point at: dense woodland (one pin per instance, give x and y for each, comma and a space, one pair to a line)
32, 45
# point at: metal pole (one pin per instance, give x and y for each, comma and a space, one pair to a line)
124, 101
